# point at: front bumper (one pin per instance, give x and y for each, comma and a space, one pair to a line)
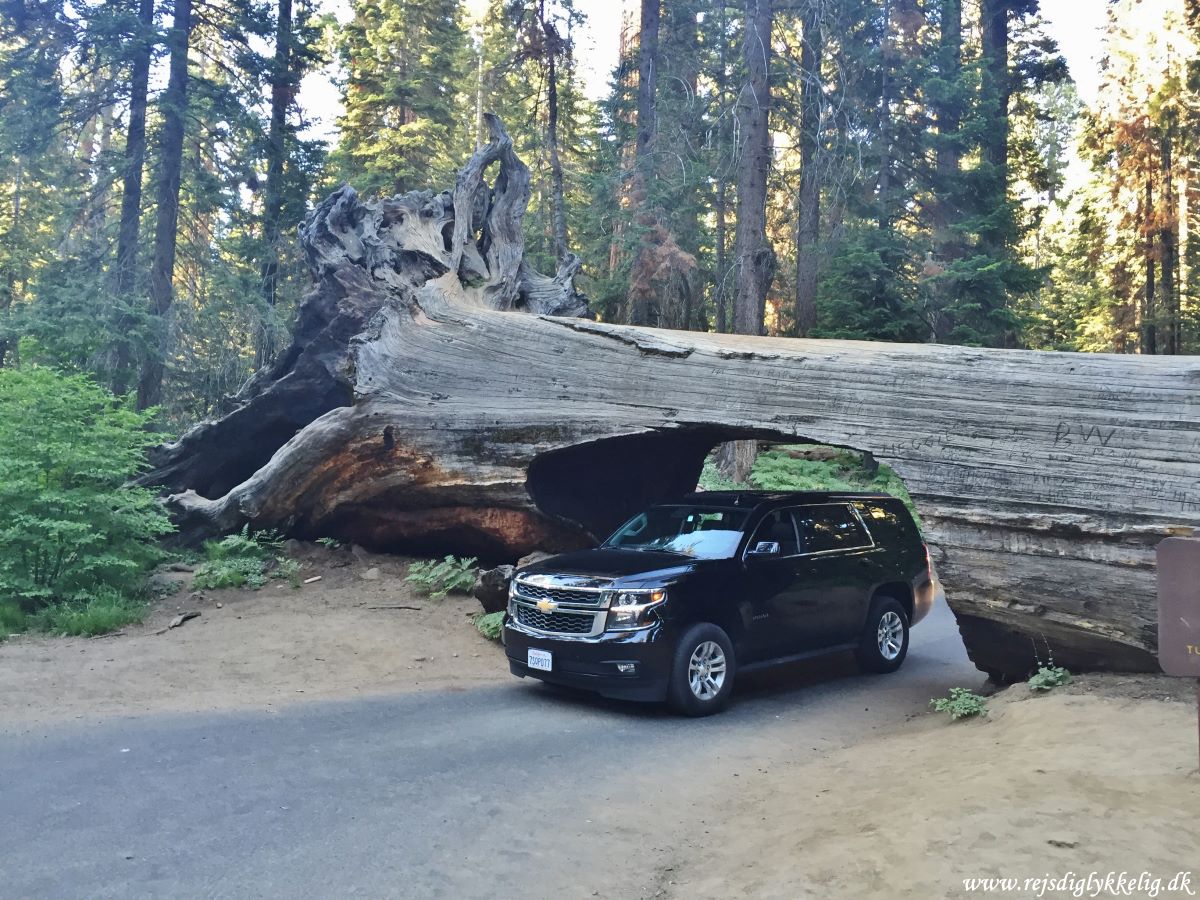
592, 663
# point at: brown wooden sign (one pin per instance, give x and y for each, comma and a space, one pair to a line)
1179, 606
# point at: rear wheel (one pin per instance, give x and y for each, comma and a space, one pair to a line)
702, 671
884, 641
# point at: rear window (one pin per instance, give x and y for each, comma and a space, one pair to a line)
889, 522
830, 526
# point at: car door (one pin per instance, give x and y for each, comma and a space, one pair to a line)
834, 569
769, 588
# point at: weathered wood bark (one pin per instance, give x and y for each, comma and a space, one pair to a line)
421, 408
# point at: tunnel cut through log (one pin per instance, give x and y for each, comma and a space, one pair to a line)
453, 398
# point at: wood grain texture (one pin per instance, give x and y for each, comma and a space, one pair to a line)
411, 413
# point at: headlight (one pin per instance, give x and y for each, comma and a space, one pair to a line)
512, 592
631, 609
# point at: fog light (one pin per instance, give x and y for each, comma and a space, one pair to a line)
626, 668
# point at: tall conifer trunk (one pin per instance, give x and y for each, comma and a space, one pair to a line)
174, 111
996, 89
1168, 237
556, 169
883, 214
808, 198
724, 140
647, 84
281, 98
644, 307
128, 231
1149, 330
755, 258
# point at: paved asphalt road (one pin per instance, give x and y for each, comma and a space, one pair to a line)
515, 790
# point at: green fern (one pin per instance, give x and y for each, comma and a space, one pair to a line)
245, 559
437, 578
490, 625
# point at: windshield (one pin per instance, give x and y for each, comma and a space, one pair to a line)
697, 531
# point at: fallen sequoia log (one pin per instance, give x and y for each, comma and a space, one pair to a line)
440, 395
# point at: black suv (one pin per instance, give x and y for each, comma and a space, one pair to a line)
687, 594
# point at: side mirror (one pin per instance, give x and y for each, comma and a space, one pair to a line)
764, 548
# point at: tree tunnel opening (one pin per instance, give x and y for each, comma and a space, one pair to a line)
601, 484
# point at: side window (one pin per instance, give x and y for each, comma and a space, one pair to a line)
830, 526
778, 527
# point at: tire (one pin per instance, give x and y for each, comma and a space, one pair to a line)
887, 626
700, 651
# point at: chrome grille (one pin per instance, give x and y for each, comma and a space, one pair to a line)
557, 622
570, 596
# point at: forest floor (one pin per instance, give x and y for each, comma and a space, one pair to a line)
345, 635
1099, 776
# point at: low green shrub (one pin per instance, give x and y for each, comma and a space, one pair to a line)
961, 704
490, 625
437, 578
1048, 678
72, 530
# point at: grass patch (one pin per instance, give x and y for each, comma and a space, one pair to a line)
490, 625
107, 612
13, 619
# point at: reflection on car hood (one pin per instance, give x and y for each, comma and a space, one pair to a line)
623, 564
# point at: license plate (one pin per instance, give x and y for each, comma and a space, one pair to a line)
540, 660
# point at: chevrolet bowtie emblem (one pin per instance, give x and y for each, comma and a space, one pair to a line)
547, 606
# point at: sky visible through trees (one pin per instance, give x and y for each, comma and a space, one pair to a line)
1007, 173
1076, 26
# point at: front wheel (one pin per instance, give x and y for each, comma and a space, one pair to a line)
702, 671
884, 642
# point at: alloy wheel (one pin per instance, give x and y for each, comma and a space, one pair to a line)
890, 635
706, 670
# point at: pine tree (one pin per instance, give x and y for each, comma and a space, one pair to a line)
407, 118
